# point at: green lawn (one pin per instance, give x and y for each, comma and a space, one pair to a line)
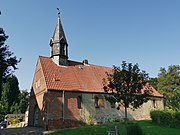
147, 127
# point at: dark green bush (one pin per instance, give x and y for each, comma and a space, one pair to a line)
155, 116
1, 117
134, 129
167, 118
177, 118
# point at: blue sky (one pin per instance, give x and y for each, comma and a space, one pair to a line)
106, 32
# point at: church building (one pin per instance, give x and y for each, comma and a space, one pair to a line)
66, 92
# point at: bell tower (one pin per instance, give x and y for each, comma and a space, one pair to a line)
59, 45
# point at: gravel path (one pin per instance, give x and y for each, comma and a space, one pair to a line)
23, 131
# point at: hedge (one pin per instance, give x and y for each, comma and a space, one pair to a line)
134, 129
168, 118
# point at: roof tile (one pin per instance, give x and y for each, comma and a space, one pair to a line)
76, 77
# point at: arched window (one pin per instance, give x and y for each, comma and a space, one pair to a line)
96, 102
154, 103
79, 102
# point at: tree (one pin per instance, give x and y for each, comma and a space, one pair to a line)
10, 90
169, 86
10, 93
153, 82
8, 62
13, 100
23, 101
128, 86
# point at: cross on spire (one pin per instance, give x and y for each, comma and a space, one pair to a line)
58, 11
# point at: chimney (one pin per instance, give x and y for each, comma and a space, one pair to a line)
85, 61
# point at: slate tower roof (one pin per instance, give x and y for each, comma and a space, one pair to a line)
58, 32
59, 45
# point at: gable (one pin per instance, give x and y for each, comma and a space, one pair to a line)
39, 84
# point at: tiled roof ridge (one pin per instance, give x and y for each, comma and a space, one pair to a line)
80, 63
76, 76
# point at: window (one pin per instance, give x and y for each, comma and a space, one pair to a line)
96, 102
37, 83
154, 103
79, 101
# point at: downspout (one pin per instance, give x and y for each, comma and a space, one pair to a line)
63, 95
47, 107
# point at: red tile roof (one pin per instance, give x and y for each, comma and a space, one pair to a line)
76, 77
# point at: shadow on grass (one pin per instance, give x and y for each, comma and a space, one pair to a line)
148, 128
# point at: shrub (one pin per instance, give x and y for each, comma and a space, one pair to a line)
82, 122
111, 120
1, 117
155, 116
134, 129
90, 121
168, 118
15, 121
177, 118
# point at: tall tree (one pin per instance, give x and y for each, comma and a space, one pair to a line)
153, 82
13, 100
23, 101
169, 86
11, 90
125, 86
8, 62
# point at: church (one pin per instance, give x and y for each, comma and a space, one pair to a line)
66, 92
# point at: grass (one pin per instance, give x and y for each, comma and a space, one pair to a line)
147, 126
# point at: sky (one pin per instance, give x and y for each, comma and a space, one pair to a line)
106, 32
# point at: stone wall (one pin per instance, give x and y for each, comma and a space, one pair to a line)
107, 113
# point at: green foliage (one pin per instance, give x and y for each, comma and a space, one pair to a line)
2, 117
90, 121
15, 121
13, 100
134, 129
124, 85
167, 118
82, 122
177, 118
169, 86
153, 82
8, 62
155, 116
110, 120
23, 101
10, 90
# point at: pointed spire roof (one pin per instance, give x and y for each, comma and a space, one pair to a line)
59, 32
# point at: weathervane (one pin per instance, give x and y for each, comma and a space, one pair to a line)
58, 11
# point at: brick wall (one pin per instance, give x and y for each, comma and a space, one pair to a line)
60, 123
57, 118
53, 117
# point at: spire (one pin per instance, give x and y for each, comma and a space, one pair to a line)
59, 45
59, 32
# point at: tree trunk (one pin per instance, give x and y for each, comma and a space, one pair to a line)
125, 120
